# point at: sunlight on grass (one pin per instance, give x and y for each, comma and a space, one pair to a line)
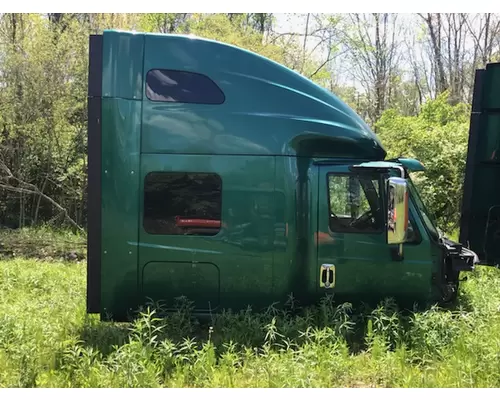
46, 339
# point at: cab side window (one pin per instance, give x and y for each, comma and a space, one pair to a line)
182, 203
354, 203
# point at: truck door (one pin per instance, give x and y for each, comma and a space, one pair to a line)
353, 256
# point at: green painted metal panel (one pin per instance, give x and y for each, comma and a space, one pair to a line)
286, 279
480, 226
170, 280
123, 54
308, 213
412, 164
242, 251
120, 178
490, 98
268, 108
488, 148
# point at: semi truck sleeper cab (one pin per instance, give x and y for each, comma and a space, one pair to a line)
222, 176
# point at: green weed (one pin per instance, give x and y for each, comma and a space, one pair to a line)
47, 340
44, 243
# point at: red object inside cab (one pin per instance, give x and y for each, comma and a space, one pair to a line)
197, 223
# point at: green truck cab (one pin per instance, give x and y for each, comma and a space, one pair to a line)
222, 176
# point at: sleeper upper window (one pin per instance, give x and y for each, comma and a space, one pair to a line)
182, 87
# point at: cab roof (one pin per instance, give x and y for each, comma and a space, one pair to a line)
267, 109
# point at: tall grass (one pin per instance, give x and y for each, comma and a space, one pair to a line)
42, 242
47, 340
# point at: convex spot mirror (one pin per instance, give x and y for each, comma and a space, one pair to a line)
397, 210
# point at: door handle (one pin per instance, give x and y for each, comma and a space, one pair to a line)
327, 276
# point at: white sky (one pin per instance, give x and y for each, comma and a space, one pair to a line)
297, 22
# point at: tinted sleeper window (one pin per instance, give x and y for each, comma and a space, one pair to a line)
182, 203
182, 87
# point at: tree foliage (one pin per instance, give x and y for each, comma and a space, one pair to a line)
43, 124
410, 78
437, 137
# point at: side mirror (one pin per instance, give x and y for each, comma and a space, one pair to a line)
397, 211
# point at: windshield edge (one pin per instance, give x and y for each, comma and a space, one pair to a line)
427, 219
